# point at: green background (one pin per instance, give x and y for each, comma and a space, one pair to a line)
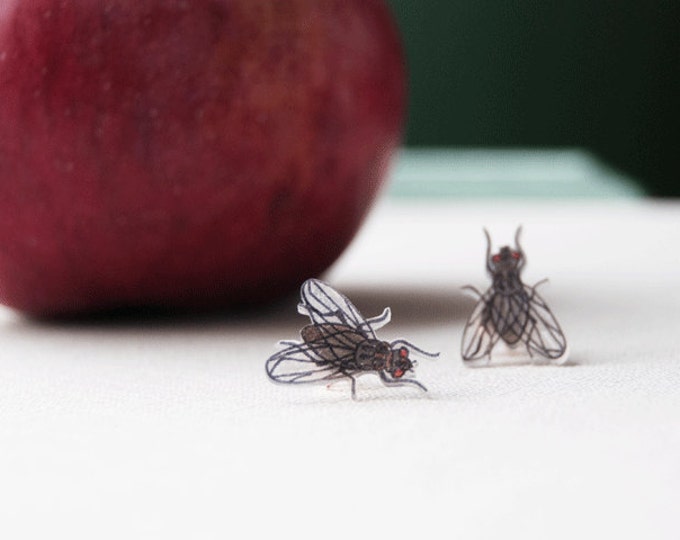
599, 74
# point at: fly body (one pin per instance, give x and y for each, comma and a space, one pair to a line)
340, 344
511, 311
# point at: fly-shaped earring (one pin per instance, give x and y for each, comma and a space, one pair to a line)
511, 312
340, 344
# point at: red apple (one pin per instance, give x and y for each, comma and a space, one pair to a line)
187, 153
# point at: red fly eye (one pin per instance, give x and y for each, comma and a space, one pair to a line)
515, 255
496, 258
403, 352
399, 373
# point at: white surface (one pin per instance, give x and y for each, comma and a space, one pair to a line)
171, 430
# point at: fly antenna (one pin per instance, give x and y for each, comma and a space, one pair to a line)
518, 233
488, 251
415, 349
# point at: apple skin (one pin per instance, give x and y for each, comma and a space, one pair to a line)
187, 154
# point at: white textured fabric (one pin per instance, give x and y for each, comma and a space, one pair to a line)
171, 430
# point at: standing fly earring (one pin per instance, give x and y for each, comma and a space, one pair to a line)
340, 344
512, 312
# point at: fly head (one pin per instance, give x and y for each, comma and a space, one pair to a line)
400, 363
507, 261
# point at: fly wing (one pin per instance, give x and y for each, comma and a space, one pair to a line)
303, 363
325, 305
543, 333
326, 353
479, 335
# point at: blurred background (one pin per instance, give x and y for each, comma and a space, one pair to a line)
599, 75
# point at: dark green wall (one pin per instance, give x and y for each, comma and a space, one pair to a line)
594, 73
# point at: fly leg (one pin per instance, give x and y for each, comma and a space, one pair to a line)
353, 382
354, 387
535, 286
472, 291
388, 381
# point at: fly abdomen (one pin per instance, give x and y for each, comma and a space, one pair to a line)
509, 314
311, 333
511, 337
